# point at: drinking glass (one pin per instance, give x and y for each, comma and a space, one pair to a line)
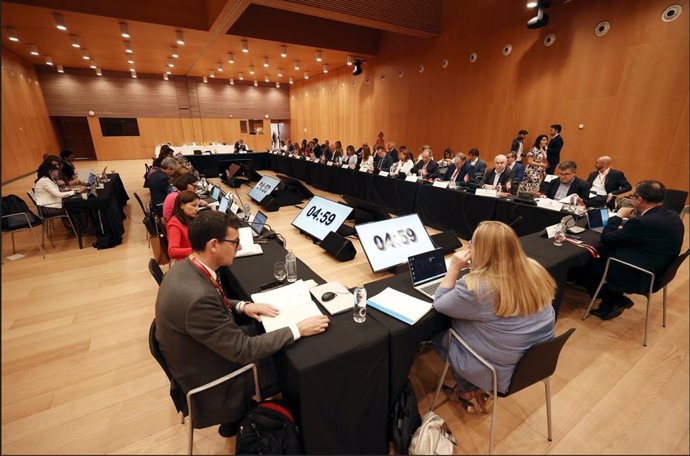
246, 211
359, 311
559, 236
279, 271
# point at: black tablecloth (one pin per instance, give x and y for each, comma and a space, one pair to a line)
207, 164
109, 204
525, 218
337, 381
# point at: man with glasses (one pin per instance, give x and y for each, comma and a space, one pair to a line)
197, 330
567, 183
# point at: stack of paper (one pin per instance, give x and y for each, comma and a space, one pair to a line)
344, 300
293, 301
249, 248
400, 305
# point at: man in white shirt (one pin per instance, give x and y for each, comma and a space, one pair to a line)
498, 175
606, 183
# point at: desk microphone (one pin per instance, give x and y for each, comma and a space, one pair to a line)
515, 221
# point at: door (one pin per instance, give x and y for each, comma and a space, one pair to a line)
73, 134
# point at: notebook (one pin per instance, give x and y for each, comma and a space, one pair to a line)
427, 270
249, 248
400, 305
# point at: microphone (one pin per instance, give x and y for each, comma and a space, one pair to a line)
515, 221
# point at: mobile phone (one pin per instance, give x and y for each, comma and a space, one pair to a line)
270, 286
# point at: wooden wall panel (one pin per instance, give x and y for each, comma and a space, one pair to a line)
27, 132
629, 88
219, 99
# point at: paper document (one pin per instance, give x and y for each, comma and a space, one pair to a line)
344, 300
247, 243
293, 301
400, 305
550, 177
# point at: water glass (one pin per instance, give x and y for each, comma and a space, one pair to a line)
359, 311
559, 236
246, 211
451, 185
279, 271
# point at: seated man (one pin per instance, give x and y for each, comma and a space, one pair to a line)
426, 168
240, 146
652, 239
392, 152
474, 168
454, 173
606, 183
567, 183
197, 329
159, 185
517, 168
382, 161
499, 175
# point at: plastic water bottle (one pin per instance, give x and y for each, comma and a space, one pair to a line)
291, 265
498, 189
359, 311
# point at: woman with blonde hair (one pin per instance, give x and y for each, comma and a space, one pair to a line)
499, 317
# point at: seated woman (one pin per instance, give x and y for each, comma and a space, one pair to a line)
501, 308
186, 208
47, 192
184, 182
403, 165
367, 162
338, 153
350, 157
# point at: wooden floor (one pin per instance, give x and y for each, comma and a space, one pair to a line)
78, 378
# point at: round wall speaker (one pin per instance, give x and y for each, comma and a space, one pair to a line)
507, 49
383, 77
473, 57
400, 73
671, 13
602, 28
549, 39
444, 63
420, 68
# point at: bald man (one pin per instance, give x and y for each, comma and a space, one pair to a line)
606, 183
499, 174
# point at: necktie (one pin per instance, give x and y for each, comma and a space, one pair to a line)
455, 174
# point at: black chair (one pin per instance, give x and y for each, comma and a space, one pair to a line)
537, 364
655, 284
156, 271
146, 213
182, 401
47, 221
19, 221
675, 200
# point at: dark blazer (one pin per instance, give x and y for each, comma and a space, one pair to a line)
515, 145
158, 186
506, 176
451, 170
317, 151
201, 341
519, 172
384, 164
393, 154
614, 183
431, 169
553, 150
578, 186
651, 241
328, 154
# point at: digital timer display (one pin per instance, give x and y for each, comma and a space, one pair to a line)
321, 216
263, 188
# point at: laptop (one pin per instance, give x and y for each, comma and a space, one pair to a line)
91, 180
215, 193
597, 219
223, 206
427, 271
258, 223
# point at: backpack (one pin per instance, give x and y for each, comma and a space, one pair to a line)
432, 437
404, 419
12, 204
269, 428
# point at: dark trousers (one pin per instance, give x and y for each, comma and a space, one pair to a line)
589, 277
553, 162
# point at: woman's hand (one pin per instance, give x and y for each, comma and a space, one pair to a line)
460, 260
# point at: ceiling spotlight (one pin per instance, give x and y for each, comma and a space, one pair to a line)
33, 50
86, 55
266, 79
256, 83
134, 73
12, 35
240, 77
232, 82
265, 62
93, 65
251, 69
280, 73
49, 61
541, 19
245, 46
171, 64
212, 74
205, 79
231, 58
130, 60
124, 30
296, 65
283, 51
165, 76
168, 72
349, 60
60, 22
128, 47
174, 54
277, 84
325, 68
531, 4
357, 68
75, 41
290, 80
99, 72
60, 69
306, 75
179, 38
318, 56
219, 68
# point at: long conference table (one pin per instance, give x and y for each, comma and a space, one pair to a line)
440, 208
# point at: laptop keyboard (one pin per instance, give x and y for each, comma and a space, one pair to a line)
431, 288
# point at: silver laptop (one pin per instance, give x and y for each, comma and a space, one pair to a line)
223, 205
427, 271
597, 219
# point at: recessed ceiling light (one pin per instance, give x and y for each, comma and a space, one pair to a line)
33, 50
12, 35
531, 4
231, 58
134, 73
277, 84
240, 77
325, 68
245, 46
99, 72
349, 60
171, 64
256, 83
124, 30
93, 66
219, 68
266, 79
280, 73
265, 62
75, 41
165, 76
128, 47
130, 60
290, 80
212, 74
60, 69
296, 65
318, 56
168, 72
174, 54
49, 61
180, 37
251, 69
205, 79
232, 82
306, 75
283, 51
60, 22
86, 55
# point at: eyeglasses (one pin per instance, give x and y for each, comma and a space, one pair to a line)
231, 241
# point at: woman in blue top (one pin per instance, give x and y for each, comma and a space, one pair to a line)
499, 317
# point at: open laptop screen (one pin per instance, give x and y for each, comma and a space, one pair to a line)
223, 206
597, 218
259, 221
215, 193
427, 266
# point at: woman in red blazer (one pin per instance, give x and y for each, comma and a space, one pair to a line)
186, 208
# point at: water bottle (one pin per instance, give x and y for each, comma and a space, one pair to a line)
498, 189
359, 311
291, 265
559, 235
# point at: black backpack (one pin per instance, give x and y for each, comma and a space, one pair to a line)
269, 428
12, 204
405, 419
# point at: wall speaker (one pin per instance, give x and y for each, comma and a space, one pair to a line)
338, 247
270, 204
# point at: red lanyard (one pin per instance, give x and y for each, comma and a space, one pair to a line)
591, 249
208, 275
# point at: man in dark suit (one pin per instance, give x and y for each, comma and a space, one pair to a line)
159, 184
518, 171
553, 150
382, 161
652, 240
454, 172
517, 144
474, 169
392, 153
197, 329
498, 175
606, 183
427, 168
567, 183
316, 150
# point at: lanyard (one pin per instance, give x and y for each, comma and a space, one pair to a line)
591, 249
215, 283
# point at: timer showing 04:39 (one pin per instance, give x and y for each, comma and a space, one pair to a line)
325, 217
402, 237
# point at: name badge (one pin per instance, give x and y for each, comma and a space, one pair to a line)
383, 173
551, 230
486, 192
363, 169
316, 160
329, 163
411, 178
441, 184
345, 166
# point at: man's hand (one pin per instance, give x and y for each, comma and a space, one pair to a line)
255, 310
313, 325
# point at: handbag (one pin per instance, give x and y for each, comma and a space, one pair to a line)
159, 247
432, 437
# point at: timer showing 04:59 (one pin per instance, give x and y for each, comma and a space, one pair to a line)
325, 217
402, 237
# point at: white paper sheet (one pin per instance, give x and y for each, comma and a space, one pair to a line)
293, 301
400, 305
247, 243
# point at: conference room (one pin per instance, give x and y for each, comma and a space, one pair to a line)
260, 102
